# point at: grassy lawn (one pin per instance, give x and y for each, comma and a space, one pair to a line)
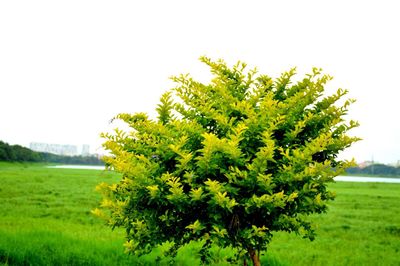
45, 220
362, 227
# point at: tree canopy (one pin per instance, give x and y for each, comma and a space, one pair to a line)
227, 163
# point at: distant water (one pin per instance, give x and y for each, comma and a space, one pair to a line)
338, 178
71, 166
367, 179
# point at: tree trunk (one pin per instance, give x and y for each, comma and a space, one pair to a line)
254, 257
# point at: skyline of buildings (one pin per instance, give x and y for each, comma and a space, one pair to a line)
60, 149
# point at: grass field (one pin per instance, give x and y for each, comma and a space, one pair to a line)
45, 220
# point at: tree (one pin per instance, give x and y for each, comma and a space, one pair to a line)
227, 163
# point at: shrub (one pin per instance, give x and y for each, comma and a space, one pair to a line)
227, 163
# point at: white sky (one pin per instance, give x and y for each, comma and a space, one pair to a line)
68, 67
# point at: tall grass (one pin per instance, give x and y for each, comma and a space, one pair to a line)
45, 220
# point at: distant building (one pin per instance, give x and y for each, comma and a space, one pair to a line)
69, 150
85, 150
365, 164
397, 164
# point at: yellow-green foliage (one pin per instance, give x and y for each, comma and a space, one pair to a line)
228, 162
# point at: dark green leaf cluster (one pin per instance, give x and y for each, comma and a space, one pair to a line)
229, 162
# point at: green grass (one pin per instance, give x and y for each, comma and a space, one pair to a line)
45, 220
362, 227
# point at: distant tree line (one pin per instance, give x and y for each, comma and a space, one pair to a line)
17, 153
375, 169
